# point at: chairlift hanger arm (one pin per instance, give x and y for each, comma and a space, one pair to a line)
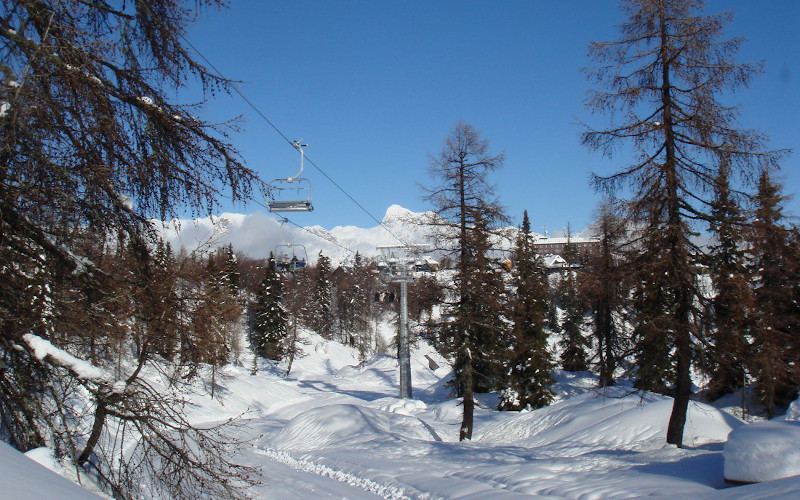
298, 146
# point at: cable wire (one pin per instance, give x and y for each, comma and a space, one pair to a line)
290, 142
286, 219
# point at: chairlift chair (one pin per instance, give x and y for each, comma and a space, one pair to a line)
289, 257
292, 194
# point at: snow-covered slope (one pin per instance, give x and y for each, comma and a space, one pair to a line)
335, 428
21, 478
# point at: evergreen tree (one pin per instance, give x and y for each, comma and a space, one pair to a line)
776, 314
553, 325
732, 299
212, 320
653, 307
486, 309
664, 77
352, 285
231, 273
270, 328
573, 343
322, 301
166, 330
529, 363
604, 288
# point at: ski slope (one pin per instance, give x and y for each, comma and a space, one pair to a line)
335, 428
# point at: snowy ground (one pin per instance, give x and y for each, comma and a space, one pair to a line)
335, 429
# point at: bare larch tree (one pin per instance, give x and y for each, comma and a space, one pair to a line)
92, 147
663, 79
465, 205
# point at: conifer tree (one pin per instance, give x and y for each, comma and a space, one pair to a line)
96, 143
353, 305
322, 301
653, 307
231, 273
487, 311
465, 205
776, 314
573, 343
167, 329
270, 328
663, 78
732, 299
528, 362
212, 320
604, 287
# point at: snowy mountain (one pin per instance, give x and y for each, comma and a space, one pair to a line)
258, 234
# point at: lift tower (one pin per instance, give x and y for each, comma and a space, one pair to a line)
398, 265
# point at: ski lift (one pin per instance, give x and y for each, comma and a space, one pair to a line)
289, 257
398, 263
292, 194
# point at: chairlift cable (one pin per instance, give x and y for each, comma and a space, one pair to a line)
241, 94
285, 219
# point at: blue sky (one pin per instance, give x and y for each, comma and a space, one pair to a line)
374, 87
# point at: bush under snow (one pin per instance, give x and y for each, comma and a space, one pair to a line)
763, 451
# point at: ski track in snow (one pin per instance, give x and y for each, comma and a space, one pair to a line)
387, 492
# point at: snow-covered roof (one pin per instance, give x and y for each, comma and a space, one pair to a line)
563, 240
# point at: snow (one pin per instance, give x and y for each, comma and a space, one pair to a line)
42, 348
335, 428
257, 234
793, 412
22, 478
763, 451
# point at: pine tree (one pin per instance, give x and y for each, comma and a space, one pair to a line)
775, 313
732, 300
230, 271
653, 309
664, 77
213, 319
166, 330
95, 144
486, 310
270, 319
353, 305
573, 343
322, 301
529, 363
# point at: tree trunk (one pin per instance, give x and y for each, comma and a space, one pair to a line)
97, 428
469, 404
675, 246
683, 388
292, 347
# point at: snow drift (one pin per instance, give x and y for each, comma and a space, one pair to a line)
763, 451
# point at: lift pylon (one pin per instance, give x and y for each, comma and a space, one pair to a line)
398, 265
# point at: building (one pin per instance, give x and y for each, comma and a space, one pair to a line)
555, 246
